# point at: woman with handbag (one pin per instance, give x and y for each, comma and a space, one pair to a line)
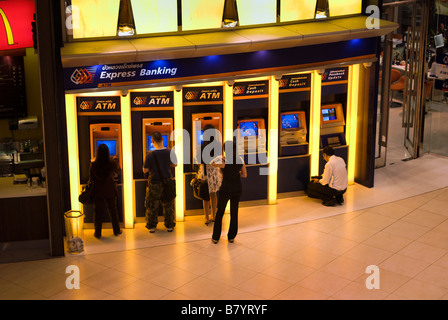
233, 169
210, 149
158, 165
102, 172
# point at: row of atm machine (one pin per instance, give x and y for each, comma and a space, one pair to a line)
251, 139
251, 136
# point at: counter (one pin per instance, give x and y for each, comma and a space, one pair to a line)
23, 212
10, 190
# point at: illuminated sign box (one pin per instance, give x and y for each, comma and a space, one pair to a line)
202, 14
155, 16
15, 24
95, 18
292, 10
99, 18
344, 7
252, 12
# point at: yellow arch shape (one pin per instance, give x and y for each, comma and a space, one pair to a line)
9, 35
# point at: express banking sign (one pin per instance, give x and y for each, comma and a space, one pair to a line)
118, 74
15, 24
187, 69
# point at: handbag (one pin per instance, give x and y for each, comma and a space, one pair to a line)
200, 189
86, 196
200, 185
168, 185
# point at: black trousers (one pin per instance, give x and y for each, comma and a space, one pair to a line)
101, 206
325, 193
223, 198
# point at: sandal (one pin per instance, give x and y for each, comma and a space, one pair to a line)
207, 222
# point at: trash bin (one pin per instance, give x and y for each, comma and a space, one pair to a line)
74, 228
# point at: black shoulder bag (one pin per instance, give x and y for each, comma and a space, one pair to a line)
168, 185
86, 196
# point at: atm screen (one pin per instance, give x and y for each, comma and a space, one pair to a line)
329, 114
110, 143
150, 146
249, 128
290, 121
199, 137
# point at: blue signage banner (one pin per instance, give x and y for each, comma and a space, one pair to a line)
169, 71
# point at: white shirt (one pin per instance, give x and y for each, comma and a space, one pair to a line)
335, 173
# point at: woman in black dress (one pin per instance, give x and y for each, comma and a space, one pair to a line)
233, 169
105, 193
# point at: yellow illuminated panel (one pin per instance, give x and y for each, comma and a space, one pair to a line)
352, 114
228, 112
291, 10
128, 183
228, 119
251, 12
316, 82
273, 140
179, 149
344, 7
202, 14
73, 155
154, 16
95, 18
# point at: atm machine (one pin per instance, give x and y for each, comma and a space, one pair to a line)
251, 137
108, 134
293, 133
149, 125
332, 125
162, 125
199, 121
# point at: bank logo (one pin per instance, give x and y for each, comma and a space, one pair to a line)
86, 105
238, 90
9, 35
139, 101
283, 83
191, 95
83, 75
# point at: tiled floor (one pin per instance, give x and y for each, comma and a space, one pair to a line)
296, 249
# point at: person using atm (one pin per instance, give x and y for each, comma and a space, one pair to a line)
158, 163
333, 183
105, 193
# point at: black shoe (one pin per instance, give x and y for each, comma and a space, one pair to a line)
97, 235
329, 203
340, 200
215, 241
118, 233
231, 240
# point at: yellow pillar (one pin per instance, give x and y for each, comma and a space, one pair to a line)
73, 153
228, 112
179, 149
273, 139
128, 182
315, 109
352, 115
